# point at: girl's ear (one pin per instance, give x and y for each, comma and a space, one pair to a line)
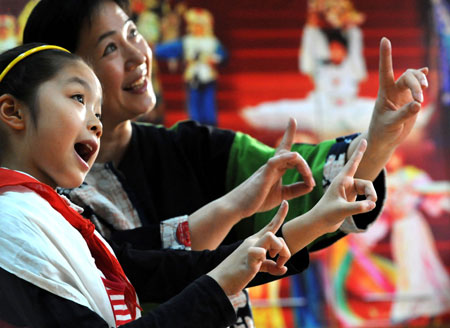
12, 112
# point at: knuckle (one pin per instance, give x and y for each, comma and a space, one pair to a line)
271, 162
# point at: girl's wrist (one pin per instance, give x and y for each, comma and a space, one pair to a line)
321, 221
302, 230
327, 220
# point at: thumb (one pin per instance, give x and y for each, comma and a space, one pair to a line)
358, 207
407, 111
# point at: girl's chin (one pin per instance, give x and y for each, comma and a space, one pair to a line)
72, 183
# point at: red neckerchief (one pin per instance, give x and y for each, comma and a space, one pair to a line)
104, 259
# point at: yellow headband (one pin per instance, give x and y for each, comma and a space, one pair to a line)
25, 55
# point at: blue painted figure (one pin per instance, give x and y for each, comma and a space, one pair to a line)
202, 52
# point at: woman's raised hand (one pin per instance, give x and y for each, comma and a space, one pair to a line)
264, 190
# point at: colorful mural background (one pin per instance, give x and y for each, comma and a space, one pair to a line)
396, 274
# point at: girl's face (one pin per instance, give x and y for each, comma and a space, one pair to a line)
121, 59
63, 144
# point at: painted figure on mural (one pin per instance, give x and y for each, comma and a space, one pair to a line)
331, 54
412, 287
423, 284
332, 35
202, 52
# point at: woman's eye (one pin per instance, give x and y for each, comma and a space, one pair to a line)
99, 116
134, 32
79, 98
109, 48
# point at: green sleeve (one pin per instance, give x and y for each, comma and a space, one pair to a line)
247, 155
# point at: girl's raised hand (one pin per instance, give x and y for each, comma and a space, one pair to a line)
241, 266
339, 201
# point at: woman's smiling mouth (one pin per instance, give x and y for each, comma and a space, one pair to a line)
136, 85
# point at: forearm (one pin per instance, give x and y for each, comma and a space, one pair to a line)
201, 304
210, 224
375, 158
159, 275
301, 231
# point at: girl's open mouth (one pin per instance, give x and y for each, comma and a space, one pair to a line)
86, 150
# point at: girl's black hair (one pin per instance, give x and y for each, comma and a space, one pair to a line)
59, 22
24, 79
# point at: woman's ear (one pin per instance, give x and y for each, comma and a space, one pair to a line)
12, 112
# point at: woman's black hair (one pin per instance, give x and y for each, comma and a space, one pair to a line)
59, 22
24, 79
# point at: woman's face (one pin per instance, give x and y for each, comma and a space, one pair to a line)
121, 59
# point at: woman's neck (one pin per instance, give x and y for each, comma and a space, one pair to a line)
114, 143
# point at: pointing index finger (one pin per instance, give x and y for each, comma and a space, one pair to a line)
277, 220
352, 164
386, 72
288, 137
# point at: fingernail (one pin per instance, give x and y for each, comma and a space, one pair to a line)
418, 96
424, 82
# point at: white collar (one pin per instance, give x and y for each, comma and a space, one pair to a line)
40, 246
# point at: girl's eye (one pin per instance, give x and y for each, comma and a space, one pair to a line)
99, 116
79, 98
109, 48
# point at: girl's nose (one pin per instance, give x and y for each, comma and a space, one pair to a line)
95, 125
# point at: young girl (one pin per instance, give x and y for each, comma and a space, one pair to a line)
56, 271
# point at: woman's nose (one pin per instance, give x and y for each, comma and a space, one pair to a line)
135, 57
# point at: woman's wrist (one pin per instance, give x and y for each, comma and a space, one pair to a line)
230, 207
